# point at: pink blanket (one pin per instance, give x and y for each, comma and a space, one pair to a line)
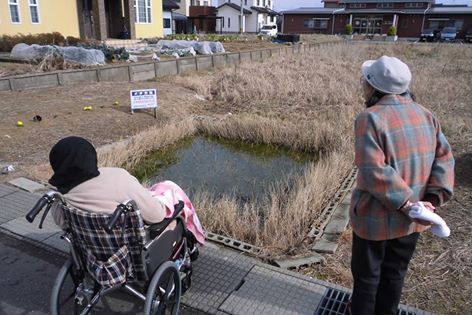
169, 193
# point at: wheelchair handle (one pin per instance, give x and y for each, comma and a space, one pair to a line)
47, 198
114, 217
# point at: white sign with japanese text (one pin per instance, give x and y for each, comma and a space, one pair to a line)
141, 99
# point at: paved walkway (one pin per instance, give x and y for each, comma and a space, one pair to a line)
224, 281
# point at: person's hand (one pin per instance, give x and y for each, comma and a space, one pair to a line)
428, 205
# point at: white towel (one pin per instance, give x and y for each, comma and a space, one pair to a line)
439, 226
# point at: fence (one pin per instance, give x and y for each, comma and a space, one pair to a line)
148, 70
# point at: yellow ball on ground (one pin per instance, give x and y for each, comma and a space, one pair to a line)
116, 103
19, 123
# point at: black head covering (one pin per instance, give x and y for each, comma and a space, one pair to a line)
74, 161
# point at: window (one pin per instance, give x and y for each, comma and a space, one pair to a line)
205, 3
222, 22
143, 11
316, 23
34, 13
385, 5
309, 23
229, 22
258, 2
414, 5
458, 24
245, 2
357, 5
166, 23
14, 11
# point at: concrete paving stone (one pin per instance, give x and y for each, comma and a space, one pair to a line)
339, 220
22, 227
7, 190
27, 184
327, 244
56, 242
216, 274
314, 258
281, 293
15, 205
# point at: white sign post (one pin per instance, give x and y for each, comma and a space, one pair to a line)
142, 99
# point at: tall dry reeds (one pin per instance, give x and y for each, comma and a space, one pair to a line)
129, 152
302, 102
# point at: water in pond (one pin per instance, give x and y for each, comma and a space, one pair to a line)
219, 167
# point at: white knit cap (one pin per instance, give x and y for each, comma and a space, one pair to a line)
387, 74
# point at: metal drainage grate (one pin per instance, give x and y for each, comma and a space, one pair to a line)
335, 303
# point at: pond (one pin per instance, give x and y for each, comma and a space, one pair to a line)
223, 167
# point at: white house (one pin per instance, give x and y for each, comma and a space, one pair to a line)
168, 6
255, 14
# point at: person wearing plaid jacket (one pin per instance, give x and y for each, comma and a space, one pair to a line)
403, 157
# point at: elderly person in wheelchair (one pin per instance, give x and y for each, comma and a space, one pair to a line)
121, 235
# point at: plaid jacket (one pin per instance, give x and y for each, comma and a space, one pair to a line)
111, 258
402, 155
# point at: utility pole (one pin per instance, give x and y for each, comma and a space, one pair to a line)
241, 16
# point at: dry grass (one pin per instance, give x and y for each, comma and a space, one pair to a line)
321, 89
308, 103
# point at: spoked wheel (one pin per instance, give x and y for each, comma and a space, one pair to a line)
67, 297
163, 294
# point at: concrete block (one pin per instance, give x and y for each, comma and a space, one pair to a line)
7, 190
232, 58
245, 56
275, 51
22, 227
256, 55
306, 261
186, 65
5, 85
26, 184
16, 204
219, 61
71, 77
114, 74
265, 53
204, 62
56, 242
35, 81
339, 220
164, 68
327, 244
142, 72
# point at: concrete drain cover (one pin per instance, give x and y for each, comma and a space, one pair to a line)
264, 291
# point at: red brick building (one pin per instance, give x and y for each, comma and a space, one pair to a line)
410, 17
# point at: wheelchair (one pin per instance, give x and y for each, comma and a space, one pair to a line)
119, 252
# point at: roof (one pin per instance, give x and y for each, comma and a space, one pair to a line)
384, 11
265, 10
313, 10
449, 10
382, 1
169, 5
236, 7
433, 10
176, 16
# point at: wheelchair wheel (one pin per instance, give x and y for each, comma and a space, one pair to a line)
163, 294
64, 292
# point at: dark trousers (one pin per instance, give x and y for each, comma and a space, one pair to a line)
378, 269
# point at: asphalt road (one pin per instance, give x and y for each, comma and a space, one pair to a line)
27, 274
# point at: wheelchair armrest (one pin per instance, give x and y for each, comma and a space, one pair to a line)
161, 226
